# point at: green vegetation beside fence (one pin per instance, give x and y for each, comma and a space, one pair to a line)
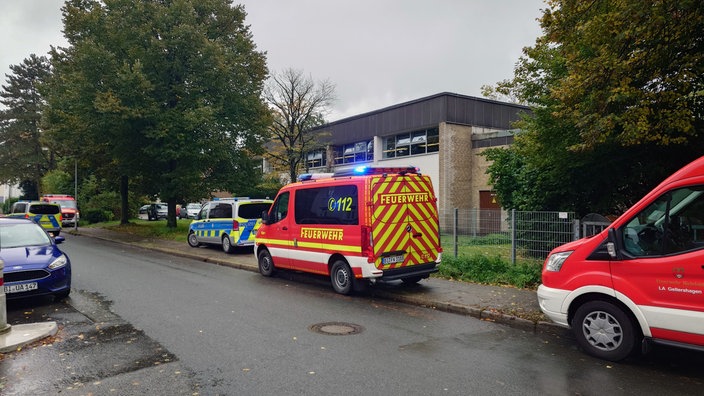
492, 270
487, 259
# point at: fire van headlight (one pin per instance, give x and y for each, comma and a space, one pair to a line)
556, 260
59, 262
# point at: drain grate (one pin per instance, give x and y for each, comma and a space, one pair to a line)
336, 328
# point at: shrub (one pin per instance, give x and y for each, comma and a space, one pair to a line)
97, 216
491, 270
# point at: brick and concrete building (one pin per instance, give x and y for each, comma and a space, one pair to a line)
442, 134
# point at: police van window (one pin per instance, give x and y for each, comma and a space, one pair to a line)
45, 209
203, 213
673, 223
327, 205
279, 209
252, 210
221, 211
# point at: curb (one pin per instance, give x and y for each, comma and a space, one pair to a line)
23, 334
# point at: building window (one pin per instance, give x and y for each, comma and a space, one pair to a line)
316, 159
413, 143
354, 152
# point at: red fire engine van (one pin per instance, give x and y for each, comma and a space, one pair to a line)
69, 210
639, 281
358, 226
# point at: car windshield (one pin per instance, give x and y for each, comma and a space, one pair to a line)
65, 203
193, 206
22, 234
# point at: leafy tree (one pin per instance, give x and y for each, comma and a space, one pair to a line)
297, 105
617, 91
23, 159
161, 96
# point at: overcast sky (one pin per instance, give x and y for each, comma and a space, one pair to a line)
377, 52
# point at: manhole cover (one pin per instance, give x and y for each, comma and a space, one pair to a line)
336, 328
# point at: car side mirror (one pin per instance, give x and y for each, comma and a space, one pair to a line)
612, 244
59, 239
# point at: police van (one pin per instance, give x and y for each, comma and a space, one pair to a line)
229, 222
641, 280
46, 214
70, 214
356, 226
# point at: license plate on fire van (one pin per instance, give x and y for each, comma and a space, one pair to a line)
398, 258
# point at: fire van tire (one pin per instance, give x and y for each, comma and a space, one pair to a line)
341, 277
193, 240
266, 263
604, 330
227, 244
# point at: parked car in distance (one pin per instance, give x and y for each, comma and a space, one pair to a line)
190, 211
153, 211
34, 264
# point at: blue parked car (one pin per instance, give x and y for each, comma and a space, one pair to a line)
34, 264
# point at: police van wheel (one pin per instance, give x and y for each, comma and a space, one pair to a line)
604, 330
341, 277
193, 240
266, 264
227, 244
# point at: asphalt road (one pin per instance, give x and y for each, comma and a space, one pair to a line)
140, 322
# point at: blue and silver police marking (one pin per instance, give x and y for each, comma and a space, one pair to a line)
247, 231
42, 220
218, 228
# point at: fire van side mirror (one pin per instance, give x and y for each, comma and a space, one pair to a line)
265, 217
612, 245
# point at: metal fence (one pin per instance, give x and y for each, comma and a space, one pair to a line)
511, 235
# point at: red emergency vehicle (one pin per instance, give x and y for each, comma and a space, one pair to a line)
639, 281
355, 226
69, 209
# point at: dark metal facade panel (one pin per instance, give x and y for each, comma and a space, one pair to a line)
425, 113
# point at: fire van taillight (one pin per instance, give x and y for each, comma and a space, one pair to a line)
367, 244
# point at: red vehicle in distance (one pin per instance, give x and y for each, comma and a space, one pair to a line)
70, 214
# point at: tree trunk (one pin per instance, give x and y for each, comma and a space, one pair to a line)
171, 214
124, 215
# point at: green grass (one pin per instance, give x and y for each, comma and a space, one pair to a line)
492, 270
487, 259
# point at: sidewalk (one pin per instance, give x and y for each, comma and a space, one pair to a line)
510, 306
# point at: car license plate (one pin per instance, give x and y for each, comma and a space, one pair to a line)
22, 287
392, 259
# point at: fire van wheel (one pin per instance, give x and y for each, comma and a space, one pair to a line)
266, 264
341, 277
193, 240
604, 330
227, 244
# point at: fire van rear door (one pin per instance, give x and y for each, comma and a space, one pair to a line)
404, 221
